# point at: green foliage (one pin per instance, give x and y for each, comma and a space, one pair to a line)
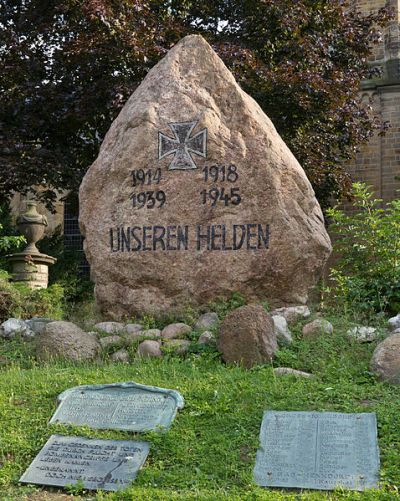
209, 452
222, 307
68, 67
8, 242
367, 274
21, 302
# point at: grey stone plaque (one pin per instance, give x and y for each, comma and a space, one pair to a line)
120, 406
98, 464
318, 450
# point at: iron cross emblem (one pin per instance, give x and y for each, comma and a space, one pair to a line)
182, 145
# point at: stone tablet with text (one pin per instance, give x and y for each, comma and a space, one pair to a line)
318, 450
194, 196
120, 406
96, 464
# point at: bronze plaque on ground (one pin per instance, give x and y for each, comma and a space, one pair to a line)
95, 464
318, 450
120, 406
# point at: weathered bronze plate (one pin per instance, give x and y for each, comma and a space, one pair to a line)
95, 464
318, 450
120, 406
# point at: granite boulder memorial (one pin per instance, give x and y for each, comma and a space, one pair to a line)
194, 195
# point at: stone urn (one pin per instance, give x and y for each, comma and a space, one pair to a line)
32, 225
30, 266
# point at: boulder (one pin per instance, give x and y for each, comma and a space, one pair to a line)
111, 342
120, 356
179, 346
287, 371
16, 327
317, 327
385, 362
363, 334
207, 337
283, 334
292, 314
394, 323
247, 336
151, 333
194, 196
149, 348
66, 340
206, 321
38, 324
133, 328
110, 327
174, 331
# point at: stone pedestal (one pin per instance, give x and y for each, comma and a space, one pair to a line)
30, 266
31, 269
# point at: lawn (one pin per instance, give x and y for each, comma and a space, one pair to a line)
209, 452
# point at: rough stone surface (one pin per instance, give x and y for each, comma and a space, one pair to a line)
111, 327
247, 336
133, 337
206, 321
15, 327
66, 340
292, 314
317, 327
174, 331
394, 323
151, 333
111, 341
284, 371
147, 254
133, 328
363, 334
207, 337
180, 346
38, 324
283, 334
397, 331
121, 356
149, 348
385, 361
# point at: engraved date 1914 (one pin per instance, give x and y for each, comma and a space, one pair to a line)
147, 199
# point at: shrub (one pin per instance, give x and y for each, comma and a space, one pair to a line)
367, 273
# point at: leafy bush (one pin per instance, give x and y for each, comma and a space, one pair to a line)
367, 274
21, 302
8, 243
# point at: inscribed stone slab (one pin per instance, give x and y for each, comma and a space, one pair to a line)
318, 450
99, 464
121, 406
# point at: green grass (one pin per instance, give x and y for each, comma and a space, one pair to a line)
209, 452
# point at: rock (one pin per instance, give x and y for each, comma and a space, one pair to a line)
133, 337
174, 331
66, 340
397, 331
317, 327
177, 243
292, 314
149, 348
283, 334
247, 336
121, 356
206, 321
133, 328
363, 334
111, 341
111, 327
285, 371
394, 323
38, 324
151, 333
179, 346
16, 327
385, 362
207, 337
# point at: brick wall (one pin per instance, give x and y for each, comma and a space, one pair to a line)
378, 162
